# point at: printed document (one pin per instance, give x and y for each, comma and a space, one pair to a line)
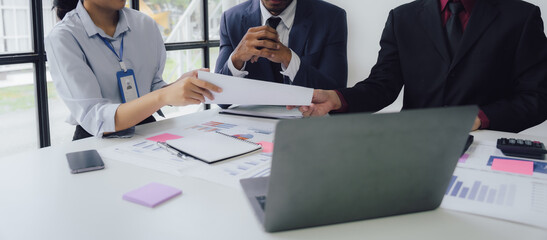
143, 151
255, 92
476, 188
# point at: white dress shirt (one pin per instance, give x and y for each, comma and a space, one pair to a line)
283, 30
84, 69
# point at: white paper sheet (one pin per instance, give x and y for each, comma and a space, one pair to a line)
476, 188
255, 92
228, 173
146, 153
500, 195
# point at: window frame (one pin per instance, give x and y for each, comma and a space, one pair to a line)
38, 58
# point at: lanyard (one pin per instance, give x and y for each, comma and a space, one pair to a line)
120, 57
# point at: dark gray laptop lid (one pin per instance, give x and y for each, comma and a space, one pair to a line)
359, 166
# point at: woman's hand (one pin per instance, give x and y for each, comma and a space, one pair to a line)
185, 91
188, 90
193, 73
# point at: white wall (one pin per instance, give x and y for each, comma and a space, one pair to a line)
366, 20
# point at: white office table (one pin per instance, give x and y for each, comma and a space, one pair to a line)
40, 199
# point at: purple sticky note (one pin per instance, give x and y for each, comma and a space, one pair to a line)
163, 137
152, 194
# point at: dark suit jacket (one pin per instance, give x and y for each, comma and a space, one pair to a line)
318, 36
501, 64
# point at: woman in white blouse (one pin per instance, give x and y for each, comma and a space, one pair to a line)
107, 61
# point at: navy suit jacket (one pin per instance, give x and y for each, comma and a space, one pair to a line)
318, 36
500, 65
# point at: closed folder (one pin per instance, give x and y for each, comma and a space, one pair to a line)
212, 147
263, 111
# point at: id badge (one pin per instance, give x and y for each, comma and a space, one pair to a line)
127, 85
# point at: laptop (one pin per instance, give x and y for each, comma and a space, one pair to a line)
359, 166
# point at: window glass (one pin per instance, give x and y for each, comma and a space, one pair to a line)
181, 61
50, 17
15, 27
12, 3
22, 18
17, 109
24, 43
60, 131
178, 20
10, 43
215, 12
216, 8
9, 24
213, 55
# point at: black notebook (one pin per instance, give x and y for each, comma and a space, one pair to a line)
212, 147
263, 111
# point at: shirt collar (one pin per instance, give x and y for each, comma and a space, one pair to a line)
123, 24
287, 16
467, 4
90, 27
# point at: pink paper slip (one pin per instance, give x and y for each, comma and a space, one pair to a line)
513, 166
463, 158
267, 147
152, 194
163, 137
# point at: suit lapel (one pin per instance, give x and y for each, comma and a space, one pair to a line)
430, 18
301, 27
483, 15
252, 18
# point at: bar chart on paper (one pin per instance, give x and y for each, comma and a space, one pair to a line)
511, 197
503, 194
229, 173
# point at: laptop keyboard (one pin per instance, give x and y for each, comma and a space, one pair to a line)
262, 201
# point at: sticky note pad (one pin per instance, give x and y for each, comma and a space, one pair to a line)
513, 166
152, 194
267, 147
163, 137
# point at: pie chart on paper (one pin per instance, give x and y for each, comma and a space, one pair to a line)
243, 136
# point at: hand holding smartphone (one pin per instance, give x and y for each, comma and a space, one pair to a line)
84, 161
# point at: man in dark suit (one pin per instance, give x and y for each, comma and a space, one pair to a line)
299, 42
492, 53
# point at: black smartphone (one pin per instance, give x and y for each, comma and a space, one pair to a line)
84, 161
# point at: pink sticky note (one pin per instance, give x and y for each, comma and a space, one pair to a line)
463, 158
152, 194
267, 147
513, 166
163, 137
